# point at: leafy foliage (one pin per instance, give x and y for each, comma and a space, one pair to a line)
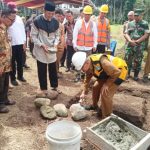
120, 8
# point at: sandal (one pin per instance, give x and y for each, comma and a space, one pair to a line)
41, 95
57, 90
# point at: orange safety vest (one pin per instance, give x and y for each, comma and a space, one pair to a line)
85, 36
102, 31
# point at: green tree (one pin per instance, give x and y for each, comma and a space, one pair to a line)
145, 5
118, 9
129, 6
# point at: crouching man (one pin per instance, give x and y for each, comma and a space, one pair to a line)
109, 71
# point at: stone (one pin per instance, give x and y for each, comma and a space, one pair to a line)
78, 112
136, 93
130, 108
41, 102
48, 112
61, 110
52, 94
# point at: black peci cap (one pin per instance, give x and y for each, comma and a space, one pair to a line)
49, 6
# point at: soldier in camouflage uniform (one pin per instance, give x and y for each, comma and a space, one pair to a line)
136, 35
130, 18
6, 20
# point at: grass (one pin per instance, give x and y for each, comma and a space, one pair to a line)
117, 34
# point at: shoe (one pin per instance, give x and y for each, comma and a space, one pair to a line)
136, 73
77, 80
22, 79
26, 66
128, 77
73, 68
62, 65
14, 82
90, 107
67, 70
10, 102
82, 75
57, 90
135, 78
41, 94
145, 79
3, 109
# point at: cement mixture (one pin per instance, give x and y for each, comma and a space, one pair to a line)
118, 134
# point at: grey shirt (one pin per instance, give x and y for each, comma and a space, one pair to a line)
40, 37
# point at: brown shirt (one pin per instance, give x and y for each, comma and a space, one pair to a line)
112, 71
5, 49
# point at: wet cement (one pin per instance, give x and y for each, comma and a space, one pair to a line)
118, 134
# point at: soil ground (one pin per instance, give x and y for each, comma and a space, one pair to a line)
24, 129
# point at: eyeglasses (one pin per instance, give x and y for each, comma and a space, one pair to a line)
12, 20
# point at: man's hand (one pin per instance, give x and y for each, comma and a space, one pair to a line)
65, 45
82, 96
104, 89
1, 71
108, 46
45, 48
75, 48
94, 49
137, 42
133, 43
24, 47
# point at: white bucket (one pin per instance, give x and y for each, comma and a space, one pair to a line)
64, 135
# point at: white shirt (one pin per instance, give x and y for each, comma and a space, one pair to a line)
17, 32
76, 30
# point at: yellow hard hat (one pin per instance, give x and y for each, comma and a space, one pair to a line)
88, 10
104, 8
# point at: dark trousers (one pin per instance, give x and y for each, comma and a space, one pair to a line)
24, 58
62, 61
4, 85
100, 48
70, 52
42, 75
31, 46
17, 62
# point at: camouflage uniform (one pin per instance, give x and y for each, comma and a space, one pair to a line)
134, 54
125, 26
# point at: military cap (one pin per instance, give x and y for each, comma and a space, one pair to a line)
138, 12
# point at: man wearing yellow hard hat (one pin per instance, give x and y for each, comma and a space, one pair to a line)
85, 33
103, 27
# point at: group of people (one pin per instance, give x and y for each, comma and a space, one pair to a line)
53, 37
111, 71
56, 36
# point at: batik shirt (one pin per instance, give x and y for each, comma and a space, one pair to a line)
5, 49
